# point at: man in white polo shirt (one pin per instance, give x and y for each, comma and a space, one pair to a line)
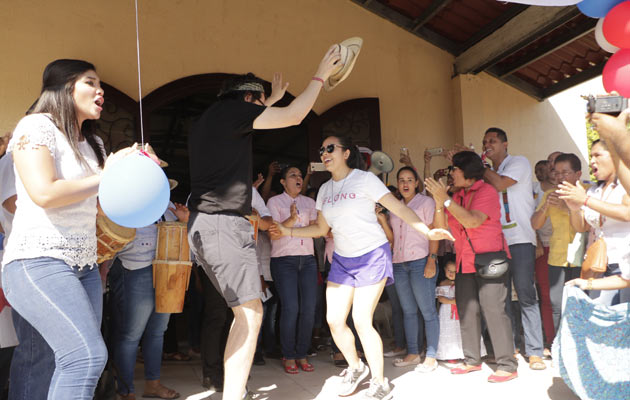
512, 177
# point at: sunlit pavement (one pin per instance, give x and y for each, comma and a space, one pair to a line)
271, 382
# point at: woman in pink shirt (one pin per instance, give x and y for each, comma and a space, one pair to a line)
414, 258
294, 271
474, 213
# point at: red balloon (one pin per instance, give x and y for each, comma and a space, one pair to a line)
617, 25
616, 74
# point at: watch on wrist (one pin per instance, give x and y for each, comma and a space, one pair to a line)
434, 256
447, 202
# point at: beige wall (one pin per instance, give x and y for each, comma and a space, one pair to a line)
534, 128
187, 37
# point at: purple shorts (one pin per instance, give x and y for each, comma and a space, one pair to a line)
364, 270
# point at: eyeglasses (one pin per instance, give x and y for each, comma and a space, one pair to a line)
328, 149
451, 168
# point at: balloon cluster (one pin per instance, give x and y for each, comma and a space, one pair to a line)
612, 34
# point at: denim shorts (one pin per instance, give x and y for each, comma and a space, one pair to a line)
364, 270
224, 246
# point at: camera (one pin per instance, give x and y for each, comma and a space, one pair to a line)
611, 104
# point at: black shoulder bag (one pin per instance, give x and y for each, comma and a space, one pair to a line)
490, 265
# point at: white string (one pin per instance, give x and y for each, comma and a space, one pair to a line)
139, 76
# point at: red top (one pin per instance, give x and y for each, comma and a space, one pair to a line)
485, 238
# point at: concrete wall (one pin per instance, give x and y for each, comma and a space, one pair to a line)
187, 37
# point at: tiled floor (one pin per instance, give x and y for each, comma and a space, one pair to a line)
271, 382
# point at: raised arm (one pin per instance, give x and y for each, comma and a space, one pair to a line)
294, 113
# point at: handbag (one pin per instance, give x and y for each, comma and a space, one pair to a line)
596, 260
490, 265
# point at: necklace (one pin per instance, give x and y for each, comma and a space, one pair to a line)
332, 188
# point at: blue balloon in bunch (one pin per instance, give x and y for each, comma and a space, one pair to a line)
134, 192
597, 8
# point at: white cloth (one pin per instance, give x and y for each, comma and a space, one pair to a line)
520, 201
546, 231
263, 245
450, 343
348, 207
616, 233
8, 337
140, 252
259, 204
65, 233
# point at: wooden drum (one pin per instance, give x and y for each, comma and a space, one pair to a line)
110, 238
171, 267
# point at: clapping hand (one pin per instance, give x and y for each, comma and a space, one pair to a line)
438, 189
573, 195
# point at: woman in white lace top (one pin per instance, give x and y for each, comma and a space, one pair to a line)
49, 270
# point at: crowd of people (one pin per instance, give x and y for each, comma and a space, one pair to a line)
473, 258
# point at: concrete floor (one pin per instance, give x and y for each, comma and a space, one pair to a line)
271, 382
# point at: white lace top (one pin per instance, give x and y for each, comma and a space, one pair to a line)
66, 233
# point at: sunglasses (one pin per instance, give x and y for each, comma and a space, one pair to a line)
328, 149
451, 168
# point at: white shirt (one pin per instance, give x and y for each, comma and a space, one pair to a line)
65, 233
263, 244
348, 207
140, 252
517, 226
616, 233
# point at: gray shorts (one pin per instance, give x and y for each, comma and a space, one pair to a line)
224, 246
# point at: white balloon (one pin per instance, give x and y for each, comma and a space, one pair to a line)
601, 40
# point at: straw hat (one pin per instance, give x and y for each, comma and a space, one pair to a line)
151, 153
349, 50
172, 183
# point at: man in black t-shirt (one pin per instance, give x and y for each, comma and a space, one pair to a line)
220, 236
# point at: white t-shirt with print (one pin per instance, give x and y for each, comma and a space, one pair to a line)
520, 201
348, 207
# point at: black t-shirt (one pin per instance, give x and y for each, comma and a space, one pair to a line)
220, 152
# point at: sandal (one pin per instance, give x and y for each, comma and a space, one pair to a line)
162, 392
536, 363
306, 366
288, 368
177, 356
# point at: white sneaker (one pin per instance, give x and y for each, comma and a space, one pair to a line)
378, 391
351, 380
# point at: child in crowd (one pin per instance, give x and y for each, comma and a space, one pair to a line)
450, 344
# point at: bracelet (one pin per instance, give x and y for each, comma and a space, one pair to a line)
589, 284
586, 200
317, 79
291, 232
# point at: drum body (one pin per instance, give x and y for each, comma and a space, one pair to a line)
111, 238
171, 267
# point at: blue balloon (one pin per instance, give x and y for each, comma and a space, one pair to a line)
134, 192
597, 8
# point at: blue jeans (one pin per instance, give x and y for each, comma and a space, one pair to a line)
133, 302
415, 291
522, 270
32, 365
65, 305
397, 317
295, 278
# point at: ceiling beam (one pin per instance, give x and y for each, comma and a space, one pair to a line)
523, 86
576, 79
407, 24
434, 8
517, 33
495, 24
556, 43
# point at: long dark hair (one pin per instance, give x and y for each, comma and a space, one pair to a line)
413, 171
355, 160
56, 99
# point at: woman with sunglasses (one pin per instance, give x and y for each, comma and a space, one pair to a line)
362, 261
294, 271
474, 212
